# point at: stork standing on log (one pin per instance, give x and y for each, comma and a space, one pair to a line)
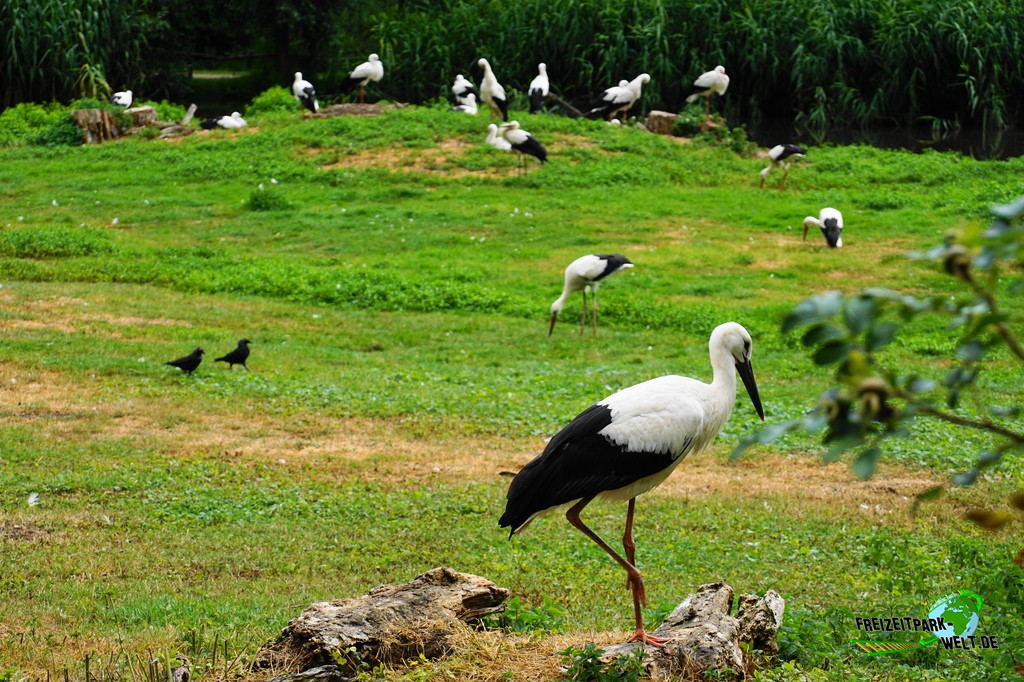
122, 99
304, 92
539, 88
831, 223
583, 274
707, 83
628, 444
491, 92
371, 70
780, 156
618, 98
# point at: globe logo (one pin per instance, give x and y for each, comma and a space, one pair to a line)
959, 611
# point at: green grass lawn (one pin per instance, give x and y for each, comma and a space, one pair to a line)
394, 275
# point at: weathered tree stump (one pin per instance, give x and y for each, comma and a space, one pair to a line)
142, 116
390, 624
704, 636
97, 125
354, 109
661, 122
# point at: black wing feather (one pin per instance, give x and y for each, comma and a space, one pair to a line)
578, 462
613, 263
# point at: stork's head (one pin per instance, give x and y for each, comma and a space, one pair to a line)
298, 75
374, 57
734, 341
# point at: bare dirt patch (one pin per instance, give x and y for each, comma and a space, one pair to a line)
22, 532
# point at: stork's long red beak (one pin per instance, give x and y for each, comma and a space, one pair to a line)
746, 371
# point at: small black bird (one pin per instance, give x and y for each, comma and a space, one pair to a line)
238, 356
188, 363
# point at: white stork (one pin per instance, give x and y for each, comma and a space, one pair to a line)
371, 70
831, 223
467, 105
779, 156
491, 92
496, 140
523, 142
628, 444
618, 99
304, 92
462, 88
539, 88
122, 99
235, 120
585, 273
707, 83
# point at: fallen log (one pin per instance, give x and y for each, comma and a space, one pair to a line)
389, 625
704, 636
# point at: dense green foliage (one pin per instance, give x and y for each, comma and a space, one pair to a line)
824, 62
397, 298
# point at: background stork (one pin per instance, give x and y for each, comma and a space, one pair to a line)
831, 223
779, 156
467, 105
628, 444
462, 88
707, 83
304, 92
523, 142
122, 99
491, 92
370, 70
586, 272
496, 140
618, 98
539, 88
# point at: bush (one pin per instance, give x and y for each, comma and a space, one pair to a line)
53, 242
31, 123
276, 100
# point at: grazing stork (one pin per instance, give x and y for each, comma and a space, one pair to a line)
496, 140
628, 444
618, 99
539, 88
462, 88
707, 83
779, 156
235, 120
585, 273
831, 223
304, 92
122, 99
467, 105
491, 92
371, 70
523, 142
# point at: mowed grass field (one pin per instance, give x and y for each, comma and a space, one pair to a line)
394, 275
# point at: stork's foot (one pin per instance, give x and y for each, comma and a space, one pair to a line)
641, 636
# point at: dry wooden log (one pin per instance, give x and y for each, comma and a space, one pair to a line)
660, 122
97, 125
354, 110
704, 636
390, 624
142, 116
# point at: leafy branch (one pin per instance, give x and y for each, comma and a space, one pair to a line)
871, 402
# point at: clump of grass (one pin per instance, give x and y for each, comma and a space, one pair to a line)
268, 199
53, 242
276, 100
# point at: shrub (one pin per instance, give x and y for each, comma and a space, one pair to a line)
53, 242
276, 100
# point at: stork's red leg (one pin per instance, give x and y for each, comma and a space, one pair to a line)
583, 313
636, 581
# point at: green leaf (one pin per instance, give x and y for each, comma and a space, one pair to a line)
859, 312
820, 334
1009, 211
971, 352
841, 446
966, 478
832, 352
933, 493
864, 464
881, 334
917, 385
815, 309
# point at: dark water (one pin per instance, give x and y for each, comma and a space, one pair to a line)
1002, 144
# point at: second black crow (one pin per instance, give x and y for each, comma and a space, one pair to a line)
238, 356
188, 363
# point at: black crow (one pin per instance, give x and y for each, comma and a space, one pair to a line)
238, 356
188, 363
